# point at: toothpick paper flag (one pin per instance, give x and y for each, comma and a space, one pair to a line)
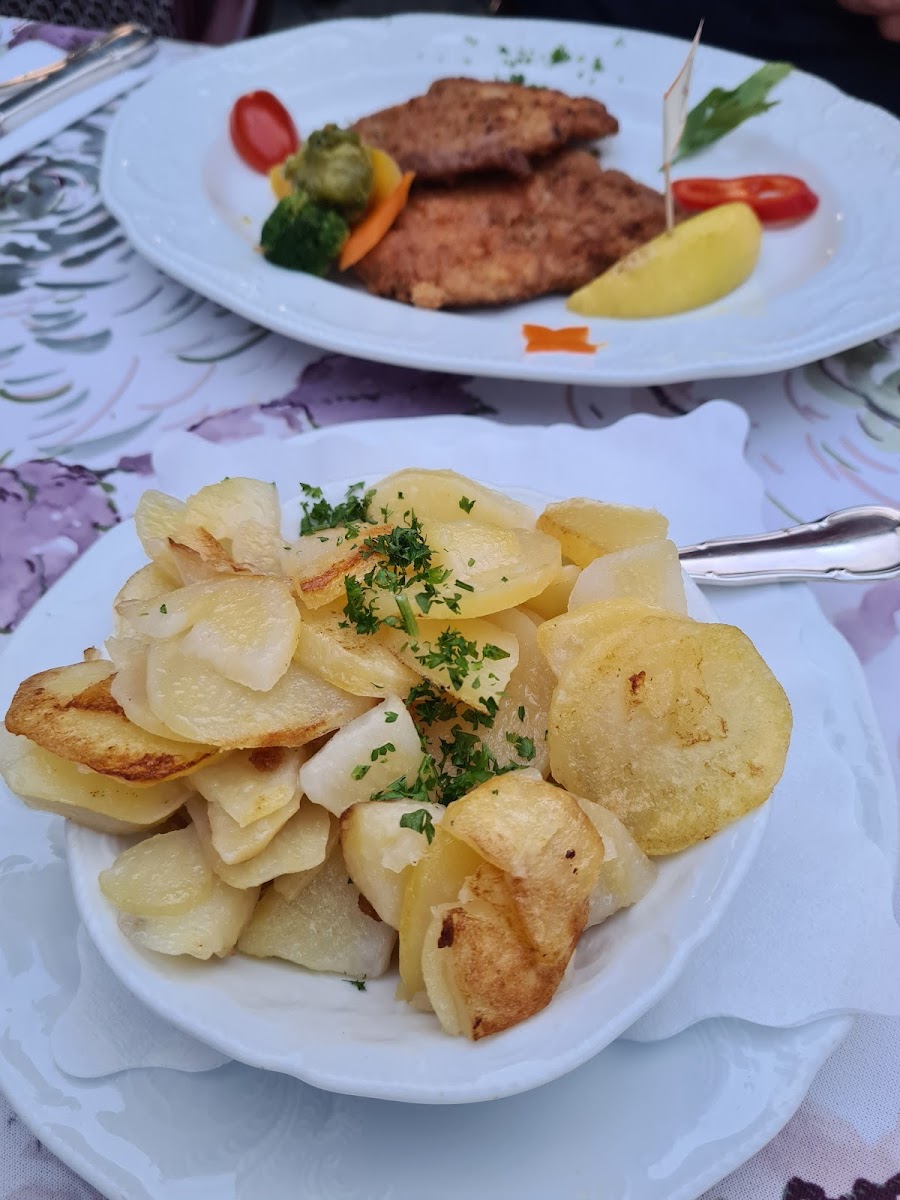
675, 110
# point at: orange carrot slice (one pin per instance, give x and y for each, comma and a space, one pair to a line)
372, 228
571, 340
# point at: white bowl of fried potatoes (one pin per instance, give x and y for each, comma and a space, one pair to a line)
427, 803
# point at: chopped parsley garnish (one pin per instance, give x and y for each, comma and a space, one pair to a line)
361, 771
359, 610
524, 746
521, 712
390, 718
560, 55
420, 821
163, 609
471, 562
383, 751
466, 504
516, 77
319, 514
359, 984
466, 587
597, 64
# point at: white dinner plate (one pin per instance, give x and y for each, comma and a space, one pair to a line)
657, 1121
189, 205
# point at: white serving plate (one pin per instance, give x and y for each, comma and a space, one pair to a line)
190, 206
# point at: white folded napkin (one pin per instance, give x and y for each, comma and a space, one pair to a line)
31, 55
105, 1029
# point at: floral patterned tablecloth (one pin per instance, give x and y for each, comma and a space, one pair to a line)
100, 354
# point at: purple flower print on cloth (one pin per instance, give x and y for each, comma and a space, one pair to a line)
336, 389
50, 513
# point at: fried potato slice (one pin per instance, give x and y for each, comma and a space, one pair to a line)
324, 928
551, 853
71, 712
564, 639
143, 585
650, 572
52, 784
585, 529
244, 516
211, 927
436, 879
317, 564
290, 886
490, 568
481, 974
300, 844
236, 843
161, 876
362, 666
518, 735
554, 599
627, 874
197, 702
158, 519
244, 626
380, 852
128, 687
676, 726
447, 496
470, 659
251, 784
375, 750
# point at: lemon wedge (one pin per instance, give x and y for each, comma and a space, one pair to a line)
701, 260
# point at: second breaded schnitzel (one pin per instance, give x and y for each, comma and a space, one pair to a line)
465, 125
495, 240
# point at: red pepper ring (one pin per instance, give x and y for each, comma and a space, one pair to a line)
772, 197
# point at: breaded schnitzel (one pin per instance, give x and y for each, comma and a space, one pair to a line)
495, 240
465, 125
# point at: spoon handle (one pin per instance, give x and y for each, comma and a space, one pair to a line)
856, 544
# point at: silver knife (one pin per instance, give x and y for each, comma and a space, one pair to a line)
127, 46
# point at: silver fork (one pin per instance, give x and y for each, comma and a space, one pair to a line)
860, 545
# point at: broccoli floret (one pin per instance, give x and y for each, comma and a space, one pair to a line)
334, 167
302, 235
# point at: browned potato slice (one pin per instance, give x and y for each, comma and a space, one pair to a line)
550, 851
565, 639
71, 712
678, 727
236, 843
627, 874
244, 516
52, 784
554, 599
194, 700
472, 660
143, 585
482, 976
380, 852
164, 875
519, 732
325, 928
299, 845
490, 568
251, 784
364, 757
446, 496
435, 879
650, 572
211, 927
585, 529
318, 563
362, 666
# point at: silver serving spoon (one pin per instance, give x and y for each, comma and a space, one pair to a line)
858, 545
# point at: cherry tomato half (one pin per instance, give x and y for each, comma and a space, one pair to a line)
262, 130
772, 197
